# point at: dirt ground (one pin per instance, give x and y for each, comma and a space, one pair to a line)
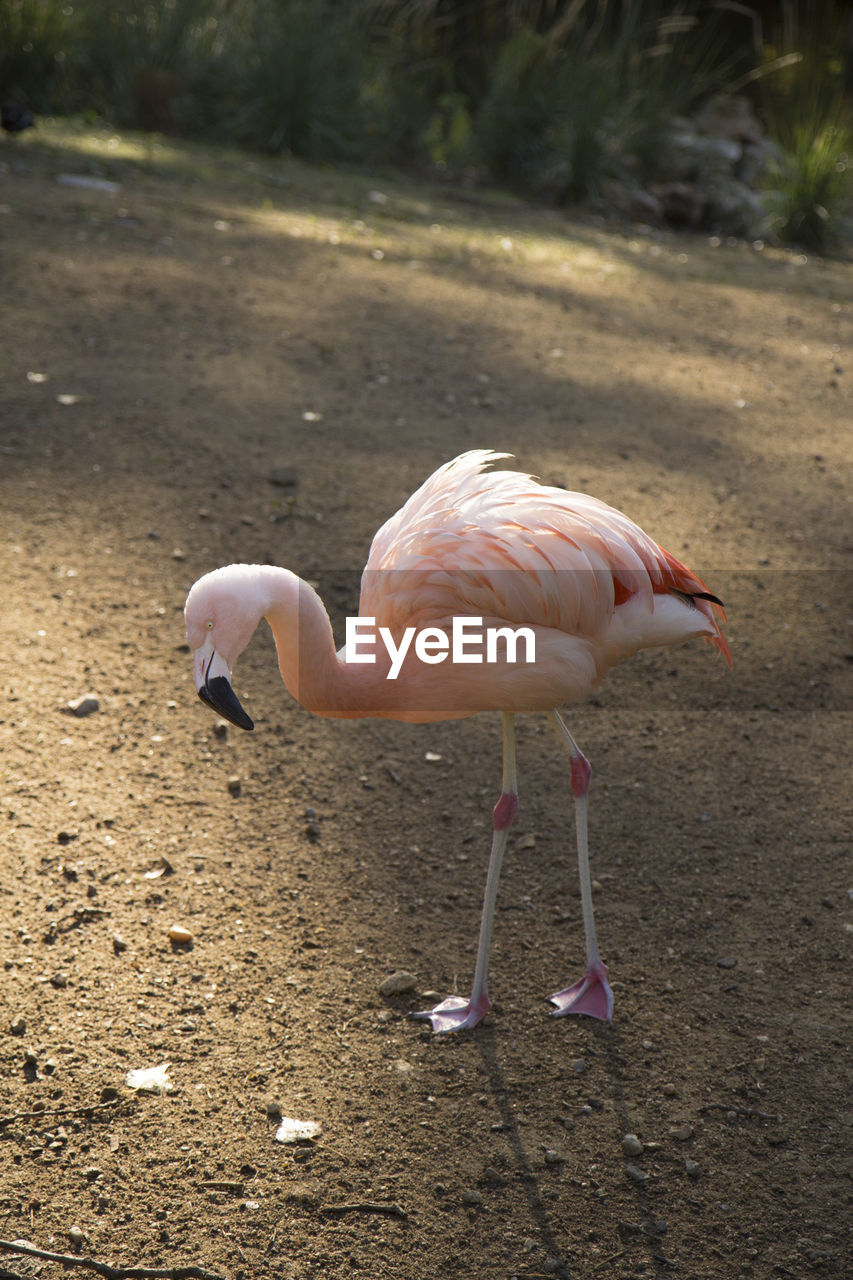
168, 345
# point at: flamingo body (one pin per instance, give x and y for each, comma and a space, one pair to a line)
590, 585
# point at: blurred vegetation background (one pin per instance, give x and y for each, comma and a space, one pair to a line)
570, 101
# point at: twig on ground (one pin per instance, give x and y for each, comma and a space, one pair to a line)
393, 1210
59, 1111
739, 1111
104, 1269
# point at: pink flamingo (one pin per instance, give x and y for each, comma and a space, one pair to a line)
499, 548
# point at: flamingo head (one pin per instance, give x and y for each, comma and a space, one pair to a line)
222, 612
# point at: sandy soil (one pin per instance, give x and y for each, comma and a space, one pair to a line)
165, 347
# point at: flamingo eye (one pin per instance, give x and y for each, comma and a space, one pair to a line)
210, 625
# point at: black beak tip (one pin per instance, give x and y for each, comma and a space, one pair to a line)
220, 697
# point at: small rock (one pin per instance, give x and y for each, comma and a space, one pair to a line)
578, 1066
59, 980
726, 962
274, 1109
178, 554
91, 1173
235, 785
635, 1173
472, 1198
119, 944
682, 1132
398, 984
691, 1168
221, 729
669, 1090
30, 1057
554, 1157
77, 1236
284, 477
631, 1145
19, 1026
180, 935
85, 706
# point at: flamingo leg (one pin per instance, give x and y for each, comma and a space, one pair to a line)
591, 994
455, 1013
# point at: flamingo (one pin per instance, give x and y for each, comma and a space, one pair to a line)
488, 546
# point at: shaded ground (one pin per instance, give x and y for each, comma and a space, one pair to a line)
213, 319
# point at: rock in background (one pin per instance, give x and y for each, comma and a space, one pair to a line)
714, 163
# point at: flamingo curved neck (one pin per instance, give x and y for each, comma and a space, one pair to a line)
310, 667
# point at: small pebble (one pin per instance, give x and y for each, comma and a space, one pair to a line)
77, 1236
18, 1027
631, 1145
554, 1157
119, 944
398, 984
221, 729
85, 706
284, 477
59, 980
669, 1090
92, 1173
635, 1173
682, 1132
691, 1168
180, 935
235, 785
274, 1109
578, 1066
726, 962
30, 1057
472, 1198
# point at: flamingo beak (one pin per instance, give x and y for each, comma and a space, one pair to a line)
213, 682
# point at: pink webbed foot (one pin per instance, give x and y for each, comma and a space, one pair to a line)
591, 995
456, 1013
